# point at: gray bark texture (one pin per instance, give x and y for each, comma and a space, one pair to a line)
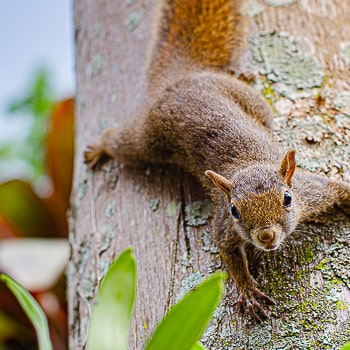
300, 51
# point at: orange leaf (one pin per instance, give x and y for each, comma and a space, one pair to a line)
7, 230
59, 160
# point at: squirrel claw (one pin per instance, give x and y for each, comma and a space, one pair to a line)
247, 301
92, 155
264, 296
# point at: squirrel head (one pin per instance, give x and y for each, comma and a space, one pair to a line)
261, 201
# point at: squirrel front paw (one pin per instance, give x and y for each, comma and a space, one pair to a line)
247, 302
93, 155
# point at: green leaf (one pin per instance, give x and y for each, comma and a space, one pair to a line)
346, 347
198, 346
111, 314
32, 310
186, 320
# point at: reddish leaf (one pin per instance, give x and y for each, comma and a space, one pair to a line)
59, 159
7, 230
25, 211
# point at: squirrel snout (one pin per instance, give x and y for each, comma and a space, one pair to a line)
266, 236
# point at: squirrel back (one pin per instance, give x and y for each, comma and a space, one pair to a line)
194, 35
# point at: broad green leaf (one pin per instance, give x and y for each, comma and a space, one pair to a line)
346, 347
186, 320
111, 314
32, 310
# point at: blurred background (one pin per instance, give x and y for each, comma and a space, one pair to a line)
36, 161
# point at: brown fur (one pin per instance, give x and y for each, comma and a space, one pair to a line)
204, 120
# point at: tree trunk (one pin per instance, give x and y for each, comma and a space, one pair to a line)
297, 47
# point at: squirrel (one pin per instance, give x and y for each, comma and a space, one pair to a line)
218, 128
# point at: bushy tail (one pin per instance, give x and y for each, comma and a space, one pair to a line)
205, 33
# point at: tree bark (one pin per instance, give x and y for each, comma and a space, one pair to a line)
147, 207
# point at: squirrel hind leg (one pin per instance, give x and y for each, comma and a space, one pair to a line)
319, 193
94, 154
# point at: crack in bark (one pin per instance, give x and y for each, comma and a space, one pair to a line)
174, 255
183, 213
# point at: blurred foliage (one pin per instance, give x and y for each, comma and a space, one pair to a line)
39, 98
32, 310
35, 104
48, 150
27, 213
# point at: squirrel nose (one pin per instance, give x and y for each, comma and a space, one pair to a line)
266, 236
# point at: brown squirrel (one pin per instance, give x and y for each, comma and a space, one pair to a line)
216, 127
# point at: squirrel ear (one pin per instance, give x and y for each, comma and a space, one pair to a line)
221, 182
288, 166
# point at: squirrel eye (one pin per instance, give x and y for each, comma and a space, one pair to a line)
287, 200
235, 213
